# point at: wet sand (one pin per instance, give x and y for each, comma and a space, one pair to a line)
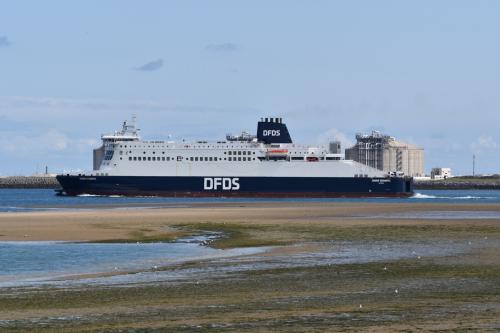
439, 291
161, 221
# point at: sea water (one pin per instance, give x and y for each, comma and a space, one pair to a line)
15, 200
38, 262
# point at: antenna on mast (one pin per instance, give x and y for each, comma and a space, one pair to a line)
134, 121
473, 165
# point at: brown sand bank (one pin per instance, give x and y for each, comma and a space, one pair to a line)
159, 223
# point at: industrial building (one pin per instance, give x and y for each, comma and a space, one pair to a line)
441, 173
383, 152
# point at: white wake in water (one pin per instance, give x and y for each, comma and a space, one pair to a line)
467, 197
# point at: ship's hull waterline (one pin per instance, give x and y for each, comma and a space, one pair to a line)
266, 187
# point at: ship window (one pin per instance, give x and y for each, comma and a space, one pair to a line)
210, 159
230, 152
130, 158
244, 159
244, 152
144, 153
225, 152
163, 152
191, 159
153, 152
239, 158
230, 158
149, 158
239, 152
206, 159
179, 158
135, 158
163, 158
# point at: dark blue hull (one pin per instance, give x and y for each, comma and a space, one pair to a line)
285, 187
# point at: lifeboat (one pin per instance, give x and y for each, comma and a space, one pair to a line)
312, 158
277, 152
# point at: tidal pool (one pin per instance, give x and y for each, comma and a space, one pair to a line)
25, 263
63, 264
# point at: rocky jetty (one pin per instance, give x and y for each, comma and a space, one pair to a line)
460, 183
29, 182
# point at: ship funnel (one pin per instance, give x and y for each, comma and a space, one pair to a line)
272, 130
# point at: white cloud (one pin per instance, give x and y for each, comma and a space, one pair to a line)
222, 47
47, 142
484, 142
334, 134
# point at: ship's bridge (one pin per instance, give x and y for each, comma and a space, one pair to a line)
128, 133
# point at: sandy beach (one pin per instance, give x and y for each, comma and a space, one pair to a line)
157, 221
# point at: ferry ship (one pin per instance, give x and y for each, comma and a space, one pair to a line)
268, 164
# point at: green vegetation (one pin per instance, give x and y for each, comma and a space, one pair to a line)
464, 182
239, 234
471, 179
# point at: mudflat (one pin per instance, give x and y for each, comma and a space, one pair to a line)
429, 291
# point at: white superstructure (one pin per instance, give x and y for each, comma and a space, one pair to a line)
124, 153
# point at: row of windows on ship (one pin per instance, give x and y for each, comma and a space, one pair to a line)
231, 152
192, 159
178, 146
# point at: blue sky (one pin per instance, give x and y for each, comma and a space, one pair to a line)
426, 72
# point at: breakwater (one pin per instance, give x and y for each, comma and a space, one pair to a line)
29, 182
462, 183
